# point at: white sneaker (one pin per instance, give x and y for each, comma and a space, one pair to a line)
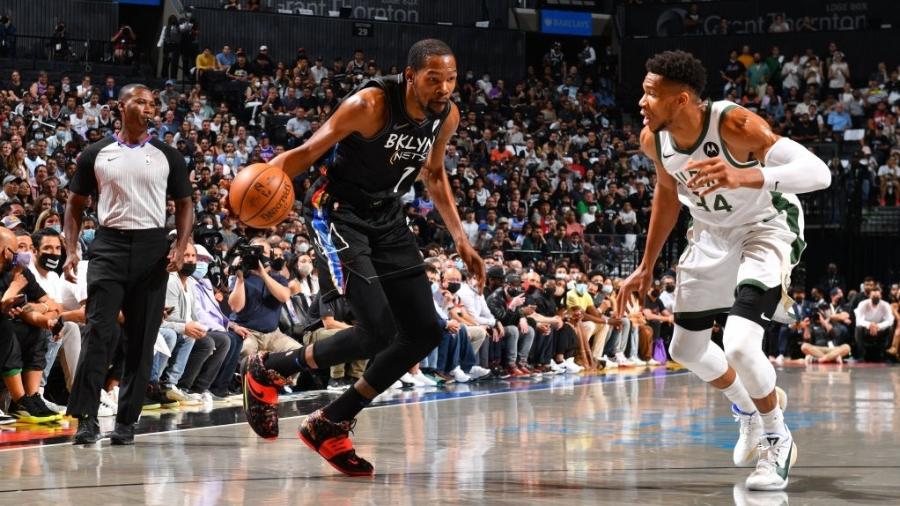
622, 361
653, 362
744, 497
409, 380
611, 363
746, 450
557, 368
105, 411
56, 408
779, 360
113, 396
396, 386
477, 372
183, 398
6, 419
425, 380
636, 360
571, 366
107, 407
206, 398
459, 376
777, 454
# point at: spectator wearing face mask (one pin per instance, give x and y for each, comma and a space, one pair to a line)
594, 326
874, 320
47, 252
303, 281
205, 362
667, 295
506, 304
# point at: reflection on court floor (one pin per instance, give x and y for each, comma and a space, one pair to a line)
648, 436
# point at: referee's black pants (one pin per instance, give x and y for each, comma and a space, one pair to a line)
127, 272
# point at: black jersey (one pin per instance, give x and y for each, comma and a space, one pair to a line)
385, 166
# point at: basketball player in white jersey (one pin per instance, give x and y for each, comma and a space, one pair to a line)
739, 180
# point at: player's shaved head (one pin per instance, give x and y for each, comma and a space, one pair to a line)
8, 239
129, 89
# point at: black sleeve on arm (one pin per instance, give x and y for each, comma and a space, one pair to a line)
179, 183
84, 182
32, 290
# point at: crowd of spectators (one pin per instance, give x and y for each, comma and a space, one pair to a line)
548, 178
814, 99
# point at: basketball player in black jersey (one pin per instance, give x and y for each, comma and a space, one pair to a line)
382, 136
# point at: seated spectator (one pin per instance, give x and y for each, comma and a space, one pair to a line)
324, 320
506, 304
30, 312
182, 333
204, 362
874, 321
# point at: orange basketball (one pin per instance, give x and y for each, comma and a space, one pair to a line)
261, 196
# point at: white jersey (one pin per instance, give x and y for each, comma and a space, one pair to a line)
725, 207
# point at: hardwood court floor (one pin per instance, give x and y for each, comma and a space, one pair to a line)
630, 437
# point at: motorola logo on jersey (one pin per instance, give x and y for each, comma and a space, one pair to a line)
711, 149
408, 147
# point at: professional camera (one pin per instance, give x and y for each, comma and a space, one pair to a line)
251, 256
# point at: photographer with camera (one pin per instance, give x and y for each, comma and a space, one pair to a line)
824, 339
256, 300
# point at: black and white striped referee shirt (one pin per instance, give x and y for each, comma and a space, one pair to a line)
132, 181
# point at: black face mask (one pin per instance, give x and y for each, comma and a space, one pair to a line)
670, 288
513, 291
278, 264
49, 261
876, 301
453, 287
187, 269
654, 293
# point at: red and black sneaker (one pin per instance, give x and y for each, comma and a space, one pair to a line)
331, 441
261, 396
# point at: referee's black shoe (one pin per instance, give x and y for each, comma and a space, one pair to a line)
123, 435
261, 386
88, 431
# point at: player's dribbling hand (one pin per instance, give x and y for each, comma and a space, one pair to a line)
639, 281
474, 263
714, 174
70, 269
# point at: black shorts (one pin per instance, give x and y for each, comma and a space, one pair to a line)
10, 356
375, 244
32, 345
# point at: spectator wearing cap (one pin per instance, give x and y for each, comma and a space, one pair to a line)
262, 64
212, 351
507, 305
10, 188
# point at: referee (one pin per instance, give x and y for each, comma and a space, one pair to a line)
130, 257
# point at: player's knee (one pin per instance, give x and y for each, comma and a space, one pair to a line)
755, 304
805, 348
690, 339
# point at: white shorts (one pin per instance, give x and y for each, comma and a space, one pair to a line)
719, 259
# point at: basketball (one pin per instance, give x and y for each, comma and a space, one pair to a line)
261, 195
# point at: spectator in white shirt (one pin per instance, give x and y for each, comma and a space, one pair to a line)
297, 127
874, 320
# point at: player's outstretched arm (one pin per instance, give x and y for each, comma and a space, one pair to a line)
663, 216
358, 113
435, 178
788, 167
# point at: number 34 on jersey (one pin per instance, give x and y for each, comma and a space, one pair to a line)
719, 203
